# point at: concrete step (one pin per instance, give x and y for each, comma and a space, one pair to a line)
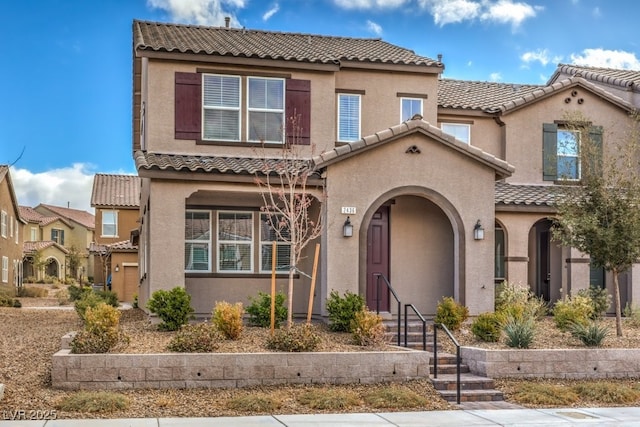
467, 382
450, 369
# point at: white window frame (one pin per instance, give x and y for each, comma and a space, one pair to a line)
59, 236
34, 234
5, 269
266, 242
349, 138
220, 242
115, 223
237, 108
3, 224
251, 109
11, 226
402, 113
448, 128
576, 155
17, 233
207, 242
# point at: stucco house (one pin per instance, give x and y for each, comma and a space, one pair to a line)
116, 199
444, 182
10, 235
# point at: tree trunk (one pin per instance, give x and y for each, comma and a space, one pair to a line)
616, 290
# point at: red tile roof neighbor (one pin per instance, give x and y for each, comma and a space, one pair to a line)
30, 247
83, 218
121, 191
31, 215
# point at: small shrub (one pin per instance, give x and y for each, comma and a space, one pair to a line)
17, 303
537, 393
172, 307
88, 300
571, 310
255, 403
109, 297
600, 300
367, 329
297, 338
260, 310
76, 292
517, 301
227, 318
33, 292
591, 335
394, 397
342, 310
135, 301
198, 338
632, 313
6, 301
333, 400
93, 401
487, 327
100, 333
62, 296
519, 332
607, 392
451, 314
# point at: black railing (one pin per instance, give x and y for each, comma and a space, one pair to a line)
435, 356
406, 325
393, 292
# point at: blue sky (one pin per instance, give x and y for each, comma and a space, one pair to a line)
66, 64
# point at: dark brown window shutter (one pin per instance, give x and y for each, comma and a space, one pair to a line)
188, 106
298, 111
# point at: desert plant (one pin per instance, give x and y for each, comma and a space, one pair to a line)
450, 313
297, 338
537, 393
342, 310
199, 338
173, 307
87, 300
632, 313
394, 397
7, 301
487, 327
572, 310
109, 297
600, 300
367, 328
62, 296
227, 319
517, 300
76, 292
591, 335
519, 332
134, 304
32, 292
257, 402
333, 400
607, 392
260, 310
93, 401
101, 330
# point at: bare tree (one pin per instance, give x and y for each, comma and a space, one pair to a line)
284, 186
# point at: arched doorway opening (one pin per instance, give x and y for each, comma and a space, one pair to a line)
545, 267
52, 268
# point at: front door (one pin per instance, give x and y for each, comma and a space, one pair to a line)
544, 266
378, 259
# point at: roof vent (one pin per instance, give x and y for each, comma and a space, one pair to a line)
227, 21
439, 57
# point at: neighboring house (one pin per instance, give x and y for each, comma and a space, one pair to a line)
10, 236
447, 183
76, 239
116, 199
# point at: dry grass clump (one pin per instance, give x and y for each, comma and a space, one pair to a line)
608, 392
393, 397
328, 400
543, 394
259, 402
93, 402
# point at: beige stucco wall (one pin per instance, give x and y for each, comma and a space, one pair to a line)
127, 221
9, 247
486, 134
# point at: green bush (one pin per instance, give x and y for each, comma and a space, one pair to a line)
109, 297
199, 338
6, 301
297, 338
632, 313
76, 292
591, 335
101, 330
367, 329
172, 307
600, 300
517, 301
451, 314
342, 310
260, 310
88, 300
519, 332
572, 310
227, 318
487, 327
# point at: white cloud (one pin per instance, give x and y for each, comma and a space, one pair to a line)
606, 59
369, 4
374, 28
502, 11
269, 13
540, 55
451, 11
70, 186
201, 12
508, 12
495, 77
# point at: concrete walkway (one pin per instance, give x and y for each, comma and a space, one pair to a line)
620, 416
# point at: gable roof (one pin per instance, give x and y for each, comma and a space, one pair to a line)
296, 47
83, 218
121, 191
6, 174
31, 247
502, 168
31, 215
626, 79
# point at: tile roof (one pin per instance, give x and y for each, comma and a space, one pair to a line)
31, 247
83, 218
31, 215
297, 47
507, 194
501, 167
476, 95
116, 190
123, 246
223, 165
624, 78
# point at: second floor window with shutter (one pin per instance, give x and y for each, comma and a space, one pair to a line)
221, 107
57, 236
348, 117
265, 101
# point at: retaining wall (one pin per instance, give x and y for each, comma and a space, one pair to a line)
565, 363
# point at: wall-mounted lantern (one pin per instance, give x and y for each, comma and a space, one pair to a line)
478, 231
347, 228
117, 267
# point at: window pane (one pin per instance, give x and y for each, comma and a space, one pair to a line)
265, 126
459, 131
235, 257
266, 93
221, 124
268, 224
197, 226
499, 272
348, 117
196, 256
568, 167
410, 107
221, 91
282, 261
567, 143
235, 226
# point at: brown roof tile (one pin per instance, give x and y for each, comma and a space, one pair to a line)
83, 218
245, 43
526, 195
116, 191
31, 247
475, 95
624, 78
31, 215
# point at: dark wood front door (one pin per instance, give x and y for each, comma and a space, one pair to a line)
544, 266
378, 259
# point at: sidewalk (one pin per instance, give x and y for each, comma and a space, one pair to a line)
619, 416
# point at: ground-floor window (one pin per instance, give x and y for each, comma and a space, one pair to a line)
5, 269
499, 270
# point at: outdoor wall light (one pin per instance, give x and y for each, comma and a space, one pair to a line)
117, 267
478, 231
347, 228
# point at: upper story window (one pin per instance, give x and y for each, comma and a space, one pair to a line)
57, 236
3, 224
17, 232
265, 101
460, 131
561, 149
348, 117
11, 226
409, 107
109, 223
34, 234
221, 107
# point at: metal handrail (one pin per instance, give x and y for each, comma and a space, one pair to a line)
393, 292
424, 325
435, 356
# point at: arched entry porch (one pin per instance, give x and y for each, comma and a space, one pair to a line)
545, 266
